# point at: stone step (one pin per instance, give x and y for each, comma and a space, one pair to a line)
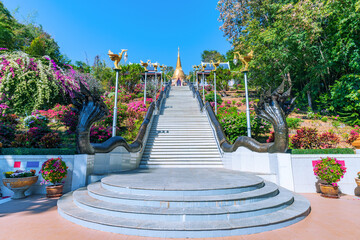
176, 166
184, 155
280, 201
96, 191
284, 217
161, 150
182, 144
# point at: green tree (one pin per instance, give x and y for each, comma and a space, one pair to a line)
222, 77
104, 74
208, 55
130, 76
6, 28
316, 41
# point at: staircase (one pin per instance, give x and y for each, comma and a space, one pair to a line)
181, 135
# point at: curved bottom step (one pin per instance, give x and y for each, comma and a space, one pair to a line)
290, 215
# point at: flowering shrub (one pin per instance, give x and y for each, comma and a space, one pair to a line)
210, 97
20, 174
54, 170
50, 140
28, 83
99, 134
7, 134
208, 88
9, 119
329, 140
271, 137
35, 137
354, 134
308, 138
35, 121
330, 170
358, 174
23, 140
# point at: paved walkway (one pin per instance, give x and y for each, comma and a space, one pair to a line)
36, 218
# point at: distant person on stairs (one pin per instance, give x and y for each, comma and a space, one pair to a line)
178, 83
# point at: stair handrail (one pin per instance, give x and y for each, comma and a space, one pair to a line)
196, 95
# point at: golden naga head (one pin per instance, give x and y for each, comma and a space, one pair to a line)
244, 59
215, 64
116, 58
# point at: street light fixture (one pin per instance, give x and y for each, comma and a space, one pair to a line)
163, 68
215, 65
155, 65
245, 60
116, 58
203, 81
145, 65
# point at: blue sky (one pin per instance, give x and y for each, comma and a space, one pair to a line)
148, 29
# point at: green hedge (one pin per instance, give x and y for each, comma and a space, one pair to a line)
324, 151
37, 151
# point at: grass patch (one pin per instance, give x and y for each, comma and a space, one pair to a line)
324, 151
37, 151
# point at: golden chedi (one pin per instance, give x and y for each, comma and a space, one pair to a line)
179, 75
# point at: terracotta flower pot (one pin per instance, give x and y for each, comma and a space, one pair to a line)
329, 191
357, 180
19, 185
53, 191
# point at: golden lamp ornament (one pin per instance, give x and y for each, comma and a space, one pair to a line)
145, 64
116, 58
244, 59
215, 64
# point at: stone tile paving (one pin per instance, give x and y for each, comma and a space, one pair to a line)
36, 218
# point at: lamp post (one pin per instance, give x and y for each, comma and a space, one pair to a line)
116, 58
245, 60
203, 81
195, 76
215, 64
155, 68
145, 65
162, 68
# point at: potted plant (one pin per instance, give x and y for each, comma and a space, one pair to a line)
19, 181
331, 171
53, 171
357, 179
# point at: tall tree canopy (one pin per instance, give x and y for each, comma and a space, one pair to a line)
214, 55
317, 41
29, 38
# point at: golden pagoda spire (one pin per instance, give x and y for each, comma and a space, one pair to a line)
178, 74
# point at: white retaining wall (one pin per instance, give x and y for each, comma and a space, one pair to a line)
79, 167
291, 171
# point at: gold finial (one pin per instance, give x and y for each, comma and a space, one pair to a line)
215, 64
116, 58
145, 64
244, 59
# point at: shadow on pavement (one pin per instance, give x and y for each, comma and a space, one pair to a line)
32, 204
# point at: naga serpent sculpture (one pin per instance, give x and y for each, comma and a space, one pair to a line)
273, 107
90, 109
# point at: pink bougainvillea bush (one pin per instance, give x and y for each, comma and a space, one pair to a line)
330, 170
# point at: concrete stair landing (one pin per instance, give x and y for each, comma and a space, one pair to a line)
180, 202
